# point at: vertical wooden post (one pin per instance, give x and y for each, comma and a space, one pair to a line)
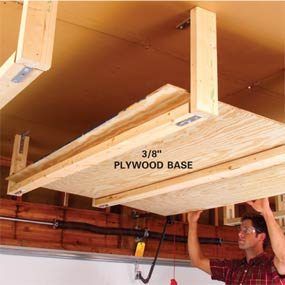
19, 156
204, 78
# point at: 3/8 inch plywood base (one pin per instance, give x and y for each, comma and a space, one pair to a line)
86, 166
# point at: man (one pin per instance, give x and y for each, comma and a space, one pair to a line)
257, 267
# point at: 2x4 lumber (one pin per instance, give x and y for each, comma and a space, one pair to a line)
19, 155
36, 37
209, 175
34, 50
203, 53
9, 89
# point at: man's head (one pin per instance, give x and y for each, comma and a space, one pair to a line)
253, 232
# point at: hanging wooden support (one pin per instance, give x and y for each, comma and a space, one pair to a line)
204, 78
34, 51
19, 156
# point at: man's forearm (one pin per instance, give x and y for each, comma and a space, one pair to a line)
193, 244
195, 253
276, 235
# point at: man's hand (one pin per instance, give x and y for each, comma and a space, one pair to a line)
194, 216
260, 205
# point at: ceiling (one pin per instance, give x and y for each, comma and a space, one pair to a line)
108, 55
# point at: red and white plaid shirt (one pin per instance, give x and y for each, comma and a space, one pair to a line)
259, 271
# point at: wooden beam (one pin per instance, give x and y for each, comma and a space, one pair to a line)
209, 175
204, 78
19, 156
34, 51
36, 37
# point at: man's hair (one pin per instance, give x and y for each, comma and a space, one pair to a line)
259, 224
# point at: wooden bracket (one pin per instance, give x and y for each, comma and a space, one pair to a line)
19, 158
204, 78
34, 51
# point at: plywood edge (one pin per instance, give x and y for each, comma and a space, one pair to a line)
233, 168
159, 102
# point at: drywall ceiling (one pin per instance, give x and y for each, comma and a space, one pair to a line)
108, 55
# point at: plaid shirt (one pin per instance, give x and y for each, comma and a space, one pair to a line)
259, 271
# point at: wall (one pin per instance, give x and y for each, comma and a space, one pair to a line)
28, 270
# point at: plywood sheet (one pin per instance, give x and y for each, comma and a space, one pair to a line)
86, 166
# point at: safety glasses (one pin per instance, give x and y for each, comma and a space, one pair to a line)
247, 230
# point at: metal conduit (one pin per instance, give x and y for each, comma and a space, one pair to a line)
113, 231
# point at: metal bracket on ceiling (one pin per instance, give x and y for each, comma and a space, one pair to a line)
184, 24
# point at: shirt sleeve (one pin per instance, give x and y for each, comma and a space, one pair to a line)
277, 278
220, 269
